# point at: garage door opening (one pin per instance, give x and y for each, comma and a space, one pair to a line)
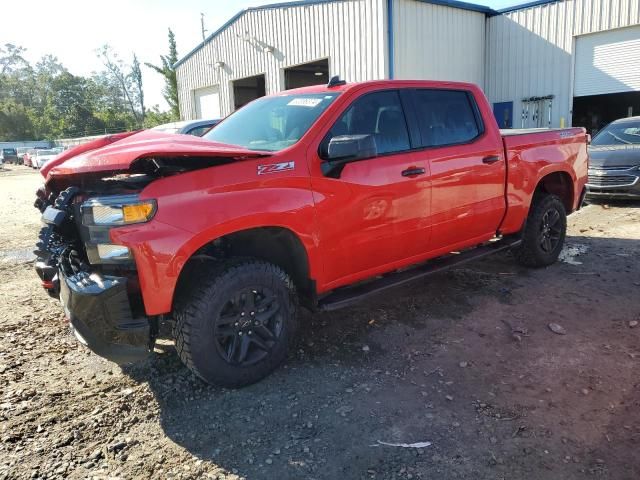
595, 111
307, 74
207, 102
247, 89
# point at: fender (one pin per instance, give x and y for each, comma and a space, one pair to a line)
196, 208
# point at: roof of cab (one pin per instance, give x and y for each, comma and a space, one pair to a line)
377, 83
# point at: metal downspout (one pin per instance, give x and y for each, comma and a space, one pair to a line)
390, 41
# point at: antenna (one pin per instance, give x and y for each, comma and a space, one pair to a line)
336, 82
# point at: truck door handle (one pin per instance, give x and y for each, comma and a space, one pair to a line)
491, 159
413, 171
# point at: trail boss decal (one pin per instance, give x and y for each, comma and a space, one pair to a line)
275, 167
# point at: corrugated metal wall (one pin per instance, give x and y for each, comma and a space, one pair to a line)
530, 51
350, 33
435, 42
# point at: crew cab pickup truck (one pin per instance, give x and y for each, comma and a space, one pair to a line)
314, 197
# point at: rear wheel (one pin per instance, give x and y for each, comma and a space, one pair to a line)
234, 323
544, 233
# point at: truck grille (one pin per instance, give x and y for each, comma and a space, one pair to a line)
612, 180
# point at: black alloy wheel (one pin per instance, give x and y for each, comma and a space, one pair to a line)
248, 327
550, 230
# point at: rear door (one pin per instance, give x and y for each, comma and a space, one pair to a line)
374, 214
466, 164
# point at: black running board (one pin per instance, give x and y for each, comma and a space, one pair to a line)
346, 296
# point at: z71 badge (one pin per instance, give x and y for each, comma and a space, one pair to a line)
275, 167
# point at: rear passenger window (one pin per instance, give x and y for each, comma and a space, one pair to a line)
378, 114
446, 117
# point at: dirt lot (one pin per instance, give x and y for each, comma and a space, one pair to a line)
464, 360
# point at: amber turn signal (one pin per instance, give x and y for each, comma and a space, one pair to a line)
137, 213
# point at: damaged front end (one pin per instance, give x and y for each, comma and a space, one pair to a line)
95, 281
88, 195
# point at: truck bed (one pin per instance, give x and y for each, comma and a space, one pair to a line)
538, 152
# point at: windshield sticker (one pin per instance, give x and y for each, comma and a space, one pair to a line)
305, 102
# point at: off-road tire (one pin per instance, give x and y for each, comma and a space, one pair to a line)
200, 304
530, 252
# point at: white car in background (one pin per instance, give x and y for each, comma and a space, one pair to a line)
40, 157
197, 128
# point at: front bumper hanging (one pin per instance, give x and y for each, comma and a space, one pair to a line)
100, 315
97, 306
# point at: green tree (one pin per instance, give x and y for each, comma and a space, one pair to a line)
121, 74
170, 91
11, 57
138, 91
156, 117
15, 122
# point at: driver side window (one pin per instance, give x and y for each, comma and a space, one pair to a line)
378, 114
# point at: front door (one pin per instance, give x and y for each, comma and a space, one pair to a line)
375, 212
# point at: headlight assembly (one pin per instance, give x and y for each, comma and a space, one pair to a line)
101, 214
117, 210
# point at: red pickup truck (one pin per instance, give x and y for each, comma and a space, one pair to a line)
318, 197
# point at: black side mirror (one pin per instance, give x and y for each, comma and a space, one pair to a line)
344, 149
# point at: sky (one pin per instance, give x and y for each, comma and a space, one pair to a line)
73, 30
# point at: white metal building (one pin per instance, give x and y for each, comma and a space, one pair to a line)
547, 63
584, 53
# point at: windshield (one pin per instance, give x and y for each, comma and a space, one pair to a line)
272, 123
623, 133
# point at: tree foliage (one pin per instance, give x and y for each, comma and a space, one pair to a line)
170, 91
46, 101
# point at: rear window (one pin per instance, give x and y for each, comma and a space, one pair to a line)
446, 117
9, 151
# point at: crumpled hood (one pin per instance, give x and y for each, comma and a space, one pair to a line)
614, 155
119, 156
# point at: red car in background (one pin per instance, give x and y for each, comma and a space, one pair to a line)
26, 157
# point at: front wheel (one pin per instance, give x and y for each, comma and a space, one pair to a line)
544, 233
234, 322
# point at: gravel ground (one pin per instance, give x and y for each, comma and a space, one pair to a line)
465, 360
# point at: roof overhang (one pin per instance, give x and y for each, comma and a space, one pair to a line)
300, 3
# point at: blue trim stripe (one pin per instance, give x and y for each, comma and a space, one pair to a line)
527, 5
462, 5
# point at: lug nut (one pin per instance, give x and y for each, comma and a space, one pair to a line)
236, 324
240, 333
250, 332
253, 313
242, 314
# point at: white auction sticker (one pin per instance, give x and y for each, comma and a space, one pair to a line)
305, 102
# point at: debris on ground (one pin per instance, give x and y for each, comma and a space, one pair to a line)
404, 445
557, 328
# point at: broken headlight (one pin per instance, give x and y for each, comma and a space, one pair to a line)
117, 210
100, 214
